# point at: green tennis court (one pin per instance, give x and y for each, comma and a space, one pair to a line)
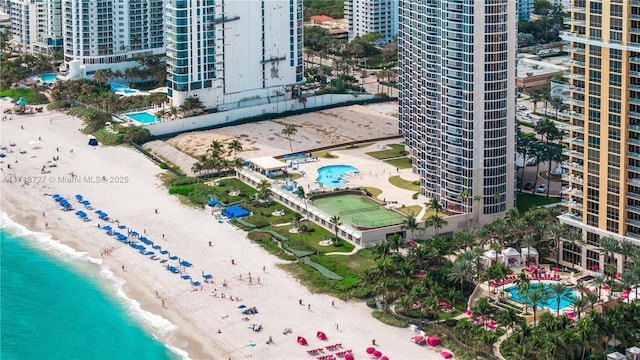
358, 210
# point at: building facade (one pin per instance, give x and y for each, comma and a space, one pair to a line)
28, 24
367, 16
525, 9
109, 34
232, 55
457, 96
603, 168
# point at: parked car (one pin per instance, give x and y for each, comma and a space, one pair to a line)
522, 107
529, 185
531, 162
542, 188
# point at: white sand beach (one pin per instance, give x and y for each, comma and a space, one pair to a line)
123, 183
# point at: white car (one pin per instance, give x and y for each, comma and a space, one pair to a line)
522, 107
542, 188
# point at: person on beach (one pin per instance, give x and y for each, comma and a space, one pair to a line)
46, 225
123, 268
156, 211
264, 269
233, 262
300, 301
333, 303
309, 307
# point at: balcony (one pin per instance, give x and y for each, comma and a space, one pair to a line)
633, 222
634, 155
574, 76
575, 89
572, 192
572, 153
574, 50
576, 166
634, 60
574, 62
634, 141
572, 101
633, 195
634, 100
569, 21
634, 208
634, 73
634, 128
572, 178
574, 141
633, 169
575, 114
571, 204
634, 87
634, 114
576, 9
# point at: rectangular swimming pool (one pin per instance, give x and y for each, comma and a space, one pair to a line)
144, 118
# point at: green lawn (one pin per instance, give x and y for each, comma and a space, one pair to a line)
526, 201
397, 150
404, 184
400, 163
27, 94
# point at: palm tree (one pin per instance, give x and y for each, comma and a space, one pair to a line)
434, 205
234, 146
609, 247
464, 196
572, 237
410, 224
555, 232
288, 131
335, 221
628, 279
586, 336
395, 242
101, 76
556, 102
626, 249
464, 239
558, 291
508, 318
579, 304
437, 222
460, 271
302, 195
534, 298
303, 100
264, 190
536, 96
599, 282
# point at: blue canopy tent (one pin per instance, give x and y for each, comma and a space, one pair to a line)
93, 141
22, 102
235, 211
213, 202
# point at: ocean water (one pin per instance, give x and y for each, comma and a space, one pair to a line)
57, 303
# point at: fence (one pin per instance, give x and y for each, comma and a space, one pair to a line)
156, 159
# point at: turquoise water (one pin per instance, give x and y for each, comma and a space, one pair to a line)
60, 304
565, 300
333, 175
48, 78
144, 118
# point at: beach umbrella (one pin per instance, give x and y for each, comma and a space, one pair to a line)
242, 306
370, 350
377, 354
22, 102
384, 358
349, 357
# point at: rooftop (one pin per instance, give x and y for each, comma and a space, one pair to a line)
529, 67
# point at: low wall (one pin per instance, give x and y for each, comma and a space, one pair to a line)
226, 117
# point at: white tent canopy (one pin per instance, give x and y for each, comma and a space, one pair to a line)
490, 257
616, 356
633, 352
529, 256
511, 257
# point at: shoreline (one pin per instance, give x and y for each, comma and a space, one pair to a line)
132, 194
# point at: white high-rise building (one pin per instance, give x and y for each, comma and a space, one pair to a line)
457, 96
101, 33
232, 53
28, 24
367, 16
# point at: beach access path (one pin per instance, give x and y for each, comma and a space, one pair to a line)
123, 183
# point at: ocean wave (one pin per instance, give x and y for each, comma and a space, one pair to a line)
45, 241
66, 253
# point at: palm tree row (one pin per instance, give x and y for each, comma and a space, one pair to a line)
215, 158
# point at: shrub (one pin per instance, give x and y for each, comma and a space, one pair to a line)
415, 196
372, 303
184, 190
163, 165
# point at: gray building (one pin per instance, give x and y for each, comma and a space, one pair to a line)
457, 68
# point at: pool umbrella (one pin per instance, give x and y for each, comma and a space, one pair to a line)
370, 350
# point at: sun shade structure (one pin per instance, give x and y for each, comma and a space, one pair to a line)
267, 165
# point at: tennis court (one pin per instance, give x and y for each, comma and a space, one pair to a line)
358, 210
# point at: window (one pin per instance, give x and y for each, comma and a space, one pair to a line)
614, 106
614, 134
615, 66
614, 120
594, 76
595, 62
615, 80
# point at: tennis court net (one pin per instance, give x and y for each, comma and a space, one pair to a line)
354, 211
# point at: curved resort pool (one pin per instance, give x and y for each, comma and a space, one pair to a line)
144, 118
565, 301
333, 175
48, 78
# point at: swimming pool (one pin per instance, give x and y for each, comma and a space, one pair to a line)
333, 175
144, 118
565, 300
48, 78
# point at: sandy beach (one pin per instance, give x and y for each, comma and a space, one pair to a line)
126, 185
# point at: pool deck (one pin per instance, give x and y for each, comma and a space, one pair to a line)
373, 173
